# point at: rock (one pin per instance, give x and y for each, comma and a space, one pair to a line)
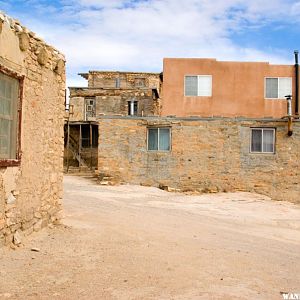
11, 199
24, 41
42, 57
38, 225
34, 249
60, 66
17, 239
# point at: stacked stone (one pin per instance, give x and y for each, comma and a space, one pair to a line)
31, 192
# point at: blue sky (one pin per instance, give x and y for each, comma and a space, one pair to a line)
136, 34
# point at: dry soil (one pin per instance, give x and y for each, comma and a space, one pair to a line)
133, 242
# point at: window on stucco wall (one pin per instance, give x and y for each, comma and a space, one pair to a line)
278, 87
198, 85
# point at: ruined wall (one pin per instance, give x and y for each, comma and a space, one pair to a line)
31, 191
113, 102
208, 155
104, 79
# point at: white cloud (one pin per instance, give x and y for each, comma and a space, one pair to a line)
136, 35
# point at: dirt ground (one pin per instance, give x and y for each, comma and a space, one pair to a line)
133, 242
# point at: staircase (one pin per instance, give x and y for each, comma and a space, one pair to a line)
83, 167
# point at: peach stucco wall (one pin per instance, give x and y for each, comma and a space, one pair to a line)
237, 88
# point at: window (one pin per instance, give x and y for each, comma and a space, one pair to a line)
118, 82
132, 108
263, 140
159, 139
198, 85
278, 88
139, 82
90, 107
9, 96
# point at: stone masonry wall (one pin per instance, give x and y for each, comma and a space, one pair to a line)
31, 191
105, 79
113, 102
207, 155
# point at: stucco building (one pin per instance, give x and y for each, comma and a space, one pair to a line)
32, 92
208, 88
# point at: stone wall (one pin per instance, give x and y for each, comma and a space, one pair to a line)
113, 102
31, 187
207, 155
106, 79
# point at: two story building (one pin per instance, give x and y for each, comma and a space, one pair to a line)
222, 126
109, 93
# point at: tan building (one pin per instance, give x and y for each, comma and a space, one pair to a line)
32, 91
202, 154
208, 88
108, 93
224, 126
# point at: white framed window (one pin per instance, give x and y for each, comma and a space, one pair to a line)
278, 87
198, 85
159, 139
262, 140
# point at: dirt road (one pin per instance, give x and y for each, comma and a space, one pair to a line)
132, 242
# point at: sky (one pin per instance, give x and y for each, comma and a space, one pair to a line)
135, 35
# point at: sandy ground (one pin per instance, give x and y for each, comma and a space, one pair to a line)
132, 242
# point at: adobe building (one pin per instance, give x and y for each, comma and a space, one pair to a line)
224, 126
108, 93
208, 88
32, 91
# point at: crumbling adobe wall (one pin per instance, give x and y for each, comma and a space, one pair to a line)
207, 155
31, 192
105, 79
113, 102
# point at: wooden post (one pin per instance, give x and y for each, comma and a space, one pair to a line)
79, 146
91, 144
68, 144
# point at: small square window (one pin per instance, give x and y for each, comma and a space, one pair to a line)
263, 140
198, 85
159, 139
278, 87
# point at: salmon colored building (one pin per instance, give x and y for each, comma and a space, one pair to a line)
208, 88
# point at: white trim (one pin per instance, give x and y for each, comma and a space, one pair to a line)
158, 128
194, 75
265, 86
262, 140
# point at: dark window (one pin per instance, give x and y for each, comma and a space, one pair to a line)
132, 108
85, 136
159, 139
263, 140
9, 96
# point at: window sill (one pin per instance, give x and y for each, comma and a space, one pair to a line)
10, 162
275, 99
263, 153
159, 151
198, 96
